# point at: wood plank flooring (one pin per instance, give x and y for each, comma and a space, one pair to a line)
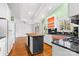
20, 49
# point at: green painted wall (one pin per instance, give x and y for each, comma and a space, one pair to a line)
60, 12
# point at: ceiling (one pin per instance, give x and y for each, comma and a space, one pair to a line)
31, 12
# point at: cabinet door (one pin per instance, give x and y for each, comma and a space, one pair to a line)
2, 47
59, 51
73, 9
3, 10
48, 39
31, 44
3, 32
37, 44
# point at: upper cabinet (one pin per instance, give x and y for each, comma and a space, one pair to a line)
4, 11
73, 9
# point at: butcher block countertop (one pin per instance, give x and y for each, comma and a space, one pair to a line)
34, 34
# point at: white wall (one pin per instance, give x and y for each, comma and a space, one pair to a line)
40, 29
22, 28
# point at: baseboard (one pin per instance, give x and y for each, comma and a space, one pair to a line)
47, 44
10, 51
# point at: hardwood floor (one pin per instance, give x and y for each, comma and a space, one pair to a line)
20, 49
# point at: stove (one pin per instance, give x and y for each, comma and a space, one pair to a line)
73, 40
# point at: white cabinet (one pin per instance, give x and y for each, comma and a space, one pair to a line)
11, 35
48, 39
3, 32
31, 45
59, 51
27, 40
3, 47
73, 9
4, 11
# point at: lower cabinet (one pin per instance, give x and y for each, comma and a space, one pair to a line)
59, 51
3, 47
36, 44
48, 39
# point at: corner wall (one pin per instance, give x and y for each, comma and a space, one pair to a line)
22, 28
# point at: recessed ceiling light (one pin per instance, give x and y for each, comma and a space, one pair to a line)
24, 19
50, 7
42, 16
29, 12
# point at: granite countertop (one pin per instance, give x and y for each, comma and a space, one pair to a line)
67, 45
2, 37
58, 37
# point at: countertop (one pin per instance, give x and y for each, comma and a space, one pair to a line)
59, 41
67, 45
58, 37
2, 37
34, 34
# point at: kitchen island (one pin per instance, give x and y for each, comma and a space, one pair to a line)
35, 43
